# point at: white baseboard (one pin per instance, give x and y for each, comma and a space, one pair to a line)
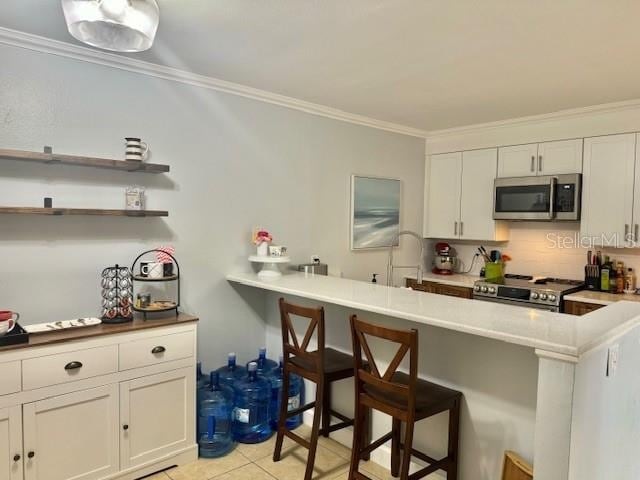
380, 456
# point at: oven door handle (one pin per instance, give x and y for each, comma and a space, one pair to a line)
553, 181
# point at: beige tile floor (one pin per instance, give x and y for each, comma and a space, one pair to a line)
253, 462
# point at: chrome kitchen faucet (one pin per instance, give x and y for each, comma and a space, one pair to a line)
391, 266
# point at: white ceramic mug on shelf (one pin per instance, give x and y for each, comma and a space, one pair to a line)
152, 270
136, 149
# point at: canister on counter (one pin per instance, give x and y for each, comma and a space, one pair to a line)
143, 300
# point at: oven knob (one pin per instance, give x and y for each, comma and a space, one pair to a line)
484, 289
476, 288
534, 295
492, 290
543, 296
552, 298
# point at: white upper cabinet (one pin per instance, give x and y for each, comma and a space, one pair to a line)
476, 201
548, 158
556, 158
443, 198
460, 196
608, 188
518, 160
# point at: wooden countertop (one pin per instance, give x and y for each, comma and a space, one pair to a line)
80, 333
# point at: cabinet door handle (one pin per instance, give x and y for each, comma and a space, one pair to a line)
533, 163
461, 228
539, 163
17, 457
125, 427
31, 454
455, 228
158, 349
73, 365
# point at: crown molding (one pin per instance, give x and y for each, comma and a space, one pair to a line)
534, 119
54, 47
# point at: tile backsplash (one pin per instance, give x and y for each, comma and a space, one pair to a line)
534, 248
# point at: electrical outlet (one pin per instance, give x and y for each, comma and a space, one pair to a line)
613, 357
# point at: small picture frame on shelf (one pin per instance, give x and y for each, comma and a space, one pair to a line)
134, 198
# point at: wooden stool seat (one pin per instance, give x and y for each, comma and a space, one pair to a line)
336, 363
431, 398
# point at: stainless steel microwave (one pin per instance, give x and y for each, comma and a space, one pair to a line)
548, 197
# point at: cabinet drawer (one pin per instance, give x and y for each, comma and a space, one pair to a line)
69, 366
10, 375
151, 351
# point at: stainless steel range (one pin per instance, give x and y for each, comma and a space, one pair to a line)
522, 290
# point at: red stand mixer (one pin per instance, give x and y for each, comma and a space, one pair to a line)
445, 260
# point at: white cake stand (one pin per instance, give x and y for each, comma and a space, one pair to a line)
269, 265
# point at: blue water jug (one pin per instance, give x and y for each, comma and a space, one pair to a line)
231, 372
215, 419
265, 366
202, 382
252, 398
295, 399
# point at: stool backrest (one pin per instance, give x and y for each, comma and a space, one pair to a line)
290, 343
371, 376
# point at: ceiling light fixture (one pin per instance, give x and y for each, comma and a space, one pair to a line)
116, 25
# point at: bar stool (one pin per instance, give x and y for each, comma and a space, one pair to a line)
321, 366
405, 397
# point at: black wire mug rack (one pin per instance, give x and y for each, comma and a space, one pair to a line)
157, 306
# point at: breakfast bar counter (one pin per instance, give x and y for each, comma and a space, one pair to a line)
516, 366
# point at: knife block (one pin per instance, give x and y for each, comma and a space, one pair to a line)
592, 277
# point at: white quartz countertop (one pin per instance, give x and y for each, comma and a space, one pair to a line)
551, 332
456, 279
601, 298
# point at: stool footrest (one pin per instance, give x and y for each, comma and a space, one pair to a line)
425, 471
360, 476
297, 438
299, 410
340, 416
373, 445
338, 426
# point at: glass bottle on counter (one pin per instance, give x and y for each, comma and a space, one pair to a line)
252, 398
215, 416
619, 278
629, 281
605, 275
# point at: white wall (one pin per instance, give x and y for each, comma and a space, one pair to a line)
529, 246
235, 163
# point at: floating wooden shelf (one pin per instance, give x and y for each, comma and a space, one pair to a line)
83, 211
105, 163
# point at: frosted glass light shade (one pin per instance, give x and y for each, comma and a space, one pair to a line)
117, 25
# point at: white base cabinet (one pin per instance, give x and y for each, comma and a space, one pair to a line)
149, 433
73, 436
11, 443
124, 424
